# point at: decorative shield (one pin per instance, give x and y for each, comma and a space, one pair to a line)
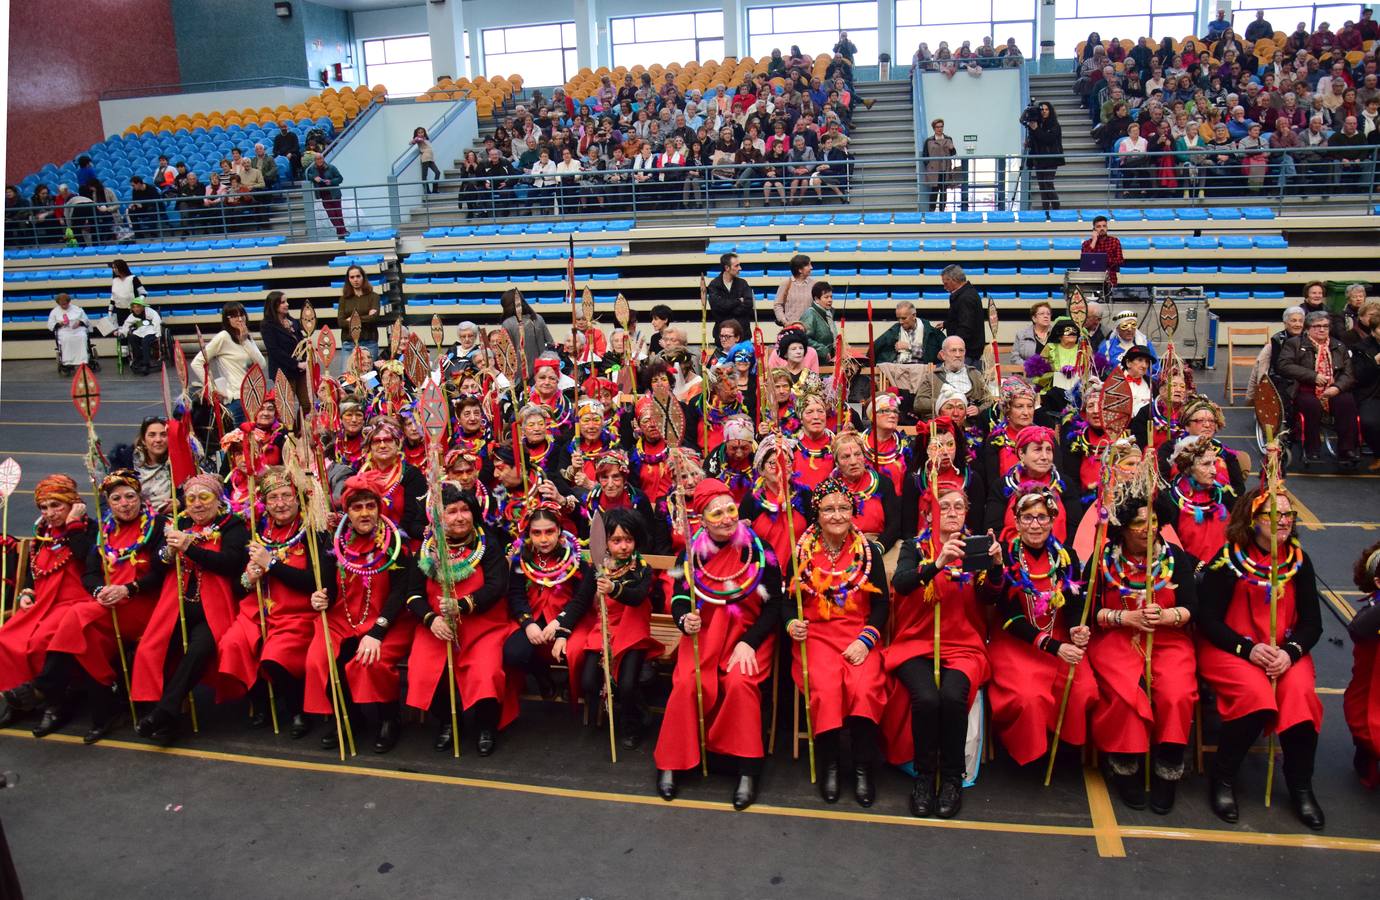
622, 312
1078, 308
395, 337
1169, 318
587, 306
180, 364
416, 360
674, 426
325, 346
354, 327
1269, 411
286, 399
308, 318
9, 477
328, 396
519, 307
86, 392
431, 407
253, 389
992, 319
598, 539
505, 354
438, 331
1117, 401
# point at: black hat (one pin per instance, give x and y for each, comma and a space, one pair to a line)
504, 454
1137, 351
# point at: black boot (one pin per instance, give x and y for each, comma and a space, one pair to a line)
666, 784
329, 739
1306, 806
299, 727
1222, 799
829, 784
1131, 789
1162, 792
630, 735
444, 736
1300, 745
950, 797
106, 710
388, 735
922, 795
18, 700
485, 742
53, 718
158, 726
745, 793
863, 788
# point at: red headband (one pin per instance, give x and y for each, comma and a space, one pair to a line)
1034, 434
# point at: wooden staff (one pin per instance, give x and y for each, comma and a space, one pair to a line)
1152, 479
1272, 484
177, 557
10, 474
432, 405
705, 354
598, 544
993, 322
689, 573
249, 463
765, 402
788, 510
872, 383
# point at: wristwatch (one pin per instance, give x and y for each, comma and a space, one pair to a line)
381, 621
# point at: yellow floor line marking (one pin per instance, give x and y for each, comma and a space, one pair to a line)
573, 794
1343, 608
1307, 518
1104, 817
1321, 690
1252, 838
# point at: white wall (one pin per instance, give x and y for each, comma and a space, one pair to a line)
117, 115
382, 23
989, 107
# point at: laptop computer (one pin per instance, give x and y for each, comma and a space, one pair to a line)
1092, 262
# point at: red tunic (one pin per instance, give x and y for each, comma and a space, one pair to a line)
818, 464
1204, 531
1243, 687
630, 628
87, 630
872, 518
1061, 522
290, 619
774, 530
1361, 702
358, 606
1123, 719
350, 450
478, 655
415, 453
393, 499
57, 588
217, 598
838, 689
652, 463
962, 646
893, 463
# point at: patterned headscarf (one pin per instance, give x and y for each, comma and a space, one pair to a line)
831, 485
57, 487
205, 481
121, 478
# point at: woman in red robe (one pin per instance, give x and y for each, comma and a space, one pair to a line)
1361, 703
843, 589
926, 718
1195, 502
403, 484
943, 444
1127, 722
1262, 683
369, 632
63, 537
879, 509
650, 459
350, 445
888, 450
771, 493
209, 546
1040, 607
727, 586
1201, 417
814, 450
1035, 448
477, 574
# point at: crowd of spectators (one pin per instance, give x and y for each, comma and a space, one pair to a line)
965, 58
780, 137
1227, 115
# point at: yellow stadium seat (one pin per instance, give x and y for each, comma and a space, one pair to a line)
424, 98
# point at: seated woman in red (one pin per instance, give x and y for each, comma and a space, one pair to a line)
731, 461
404, 486
206, 549
1129, 627
279, 579
879, 509
1194, 501
727, 587
612, 491
772, 493
624, 583
843, 591
931, 578
574, 461
814, 460
463, 604
63, 538
650, 459
1361, 703
369, 632
941, 455
888, 450
1262, 681
123, 577
1040, 607
1201, 417
1035, 447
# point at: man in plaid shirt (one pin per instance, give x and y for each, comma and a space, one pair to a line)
1102, 242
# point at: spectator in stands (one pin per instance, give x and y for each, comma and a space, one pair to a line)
326, 179
965, 318
285, 144
125, 287
1255, 162
1352, 158
191, 194
1319, 367
1046, 145
1349, 38
1133, 162
1030, 341
18, 218
229, 354
143, 208
1315, 163
1220, 166
1284, 140
774, 175
71, 331
817, 321
357, 297
1093, 326
1260, 28
801, 165
427, 157
958, 372
163, 175
1114, 129
267, 168
281, 334
938, 155
1191, 168
730, 297
471, 190
47, 224
568, 172
645, 177
1322, 41
832, 171
845, 48
795, 294
1103, 242
140, 332
911, 340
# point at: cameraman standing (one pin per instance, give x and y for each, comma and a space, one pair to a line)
1045, 146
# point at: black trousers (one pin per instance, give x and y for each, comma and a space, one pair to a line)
1044, 176
1299, 743
938, 716
626, 689
828, 744
182, 671
1369, 411
485, 711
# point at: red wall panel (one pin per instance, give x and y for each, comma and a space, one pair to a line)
60, 66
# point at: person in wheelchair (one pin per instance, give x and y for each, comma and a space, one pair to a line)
1317, 367
71, 330
141, 331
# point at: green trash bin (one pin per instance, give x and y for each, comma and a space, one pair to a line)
1335, 298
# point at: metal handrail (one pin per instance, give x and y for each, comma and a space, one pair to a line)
408, 156
198, 87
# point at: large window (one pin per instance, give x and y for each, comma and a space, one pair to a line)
544, 55
1125, 20
401, 63
956, 21
680, 37
1285, 15
814, 28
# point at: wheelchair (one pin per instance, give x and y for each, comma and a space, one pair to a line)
93, 359
1293, 439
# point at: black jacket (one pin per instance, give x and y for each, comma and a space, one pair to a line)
734, 302
965, 319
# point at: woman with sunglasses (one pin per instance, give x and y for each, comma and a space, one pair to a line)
1136, 600
229, 354
211, 545
842, 584
726, 593
1262, 682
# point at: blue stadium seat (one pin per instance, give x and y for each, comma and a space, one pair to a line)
1033, 244
1271, 270
751, 246
1033, 270
587, 226
969, 245
779, 247
908, 218
728, 222
1201, 243
495, 255
939, 218
1191, 213
460, 231
1270, 242
906, 271
811, 246
1201, 270
540, 227
905, 246
997, 216
551, 253
1224, 213
1135, 243
417, 259
1269, 295
937, 245
757, 221
834, 272
1236, 270
868, 219
509, 230
552, 276
522, 254
968, 218
872, 295
787, 220
1235, 242
1166, 270
905, 295
1261, 213
484, 230
1167, 242
605, 276
1135, 270
1063, 215
872, 246
1031, 215
848, 219
1000, 271
1002, 245
1033, 295
817, 219
843, 246
1127, 215
608, 251
716, 248
873, 271
1234, 295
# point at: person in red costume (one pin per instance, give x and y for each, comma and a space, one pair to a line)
403, 484
771, 493
1262, 684
1200, 417
478, 575
1127, 723
814, 459
1039, 607
879, 509
1195, 502
1035, 448
30, 673
1361, 702
944, 444
369, 632
650, 459
842, 581
726, 594
350, 447
210, 547
888, 450
926, 721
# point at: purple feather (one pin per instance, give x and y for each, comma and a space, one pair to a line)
1035, 366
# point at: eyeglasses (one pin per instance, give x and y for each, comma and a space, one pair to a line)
1035, 520
836, 512
721, 513
153, 420
1282, 516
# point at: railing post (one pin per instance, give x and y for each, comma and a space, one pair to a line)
394, 201
309, 214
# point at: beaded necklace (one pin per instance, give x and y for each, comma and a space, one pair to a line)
562, 412
393, 477
1042, 603
461, 561
813, 455
1016, 477
1128, 575
922, 478
836, 588
719, 467
382, 554
722, 409
654, 458
535, 459
281, 550
129, 554
723, 589
872, 483
61, 550
1182, 492
786, 417
594, 500
1259, 574
601, 443
551, 571
899, 452
764, 501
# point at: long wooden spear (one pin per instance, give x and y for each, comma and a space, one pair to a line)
432, 406
253, 389
788, 510
1273, 484
598, 550
689, 573
177, 557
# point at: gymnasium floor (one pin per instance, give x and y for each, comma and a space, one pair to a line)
232, 812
